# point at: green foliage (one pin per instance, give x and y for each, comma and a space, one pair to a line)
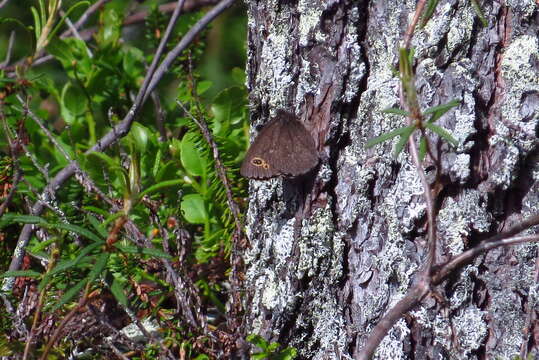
406, 75
270, 351
431, 7
159, 179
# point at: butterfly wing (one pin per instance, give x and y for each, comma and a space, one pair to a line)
259, 160
283, 147
300, 154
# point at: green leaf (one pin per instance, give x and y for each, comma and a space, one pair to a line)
193, 209
117, 289
258, 341
287, 354
64, 17
96, 224
229, 108
390, 135
427, 13
77, 230
37, 22
203, 86
133, 62
67, 264
110, 31
128, 249
396, 111
422, 147
168, 171
96, 210
479, 13
139, 136
99, 266
192, 161
70, 294
403, 140
18, 273
7, 219
156, 253
238, 75
74, 102
159, 186
443, 133
438, 111
156, 163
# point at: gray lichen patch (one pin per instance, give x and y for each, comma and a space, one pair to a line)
506, 163
458, 217
392, 347
471, 330
309, 19
325, 318
317, 248
521, 76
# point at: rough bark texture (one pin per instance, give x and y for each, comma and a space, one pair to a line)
331, 252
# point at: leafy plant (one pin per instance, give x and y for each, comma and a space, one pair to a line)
419, 123
270, 351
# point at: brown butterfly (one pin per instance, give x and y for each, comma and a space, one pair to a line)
283, 148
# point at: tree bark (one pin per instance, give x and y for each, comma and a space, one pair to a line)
332, 251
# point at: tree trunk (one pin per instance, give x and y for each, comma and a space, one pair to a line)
332, 251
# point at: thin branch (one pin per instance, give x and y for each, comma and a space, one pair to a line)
467, 256
9, 48
173, 19
235, 257
186, 40
411, 299
112, 136
85, 179
3, 3
219, 167
75, 32
185, 292
410, 31
84, 17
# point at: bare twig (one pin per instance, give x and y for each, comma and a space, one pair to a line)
85, 179
467, 256
82, 302
6, 61
84, 17
186, 40
185, 291
75, 32
219, 167
173, 19
112, 136
159, 117
189, 6
411, 299
3, 3
410, 31
236, 307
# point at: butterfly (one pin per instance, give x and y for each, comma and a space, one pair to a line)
283, 147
